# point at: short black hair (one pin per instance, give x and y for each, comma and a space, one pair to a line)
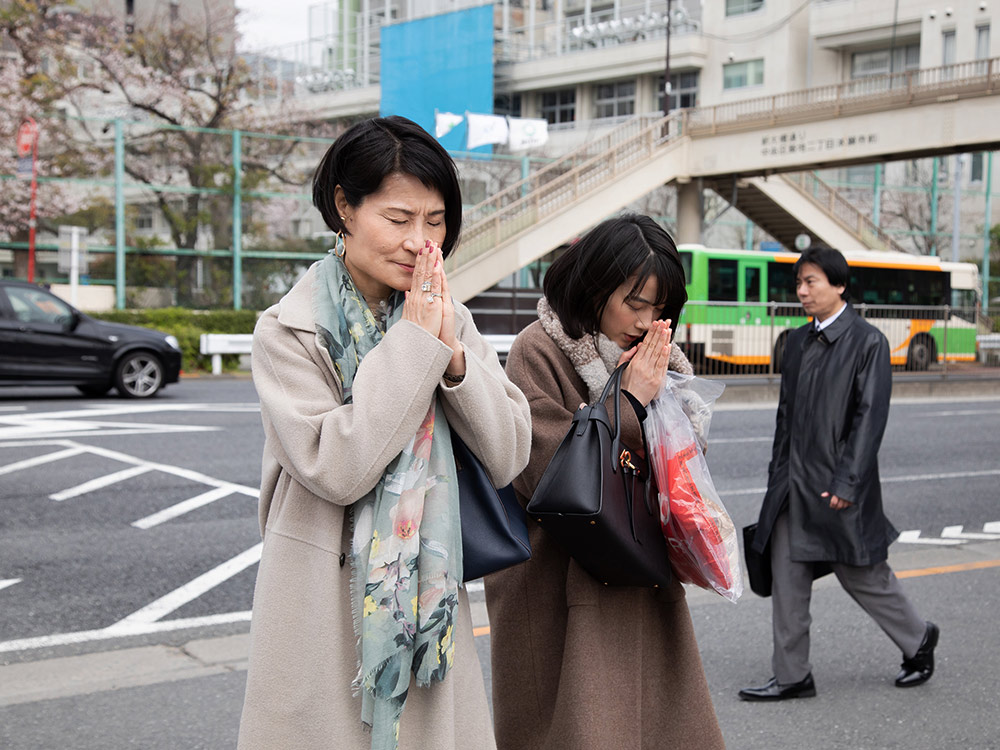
830, 262
368, 152
580, 282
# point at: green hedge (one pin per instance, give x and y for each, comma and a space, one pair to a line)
187, 326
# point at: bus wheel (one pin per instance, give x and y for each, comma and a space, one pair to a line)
921, 353
779, 351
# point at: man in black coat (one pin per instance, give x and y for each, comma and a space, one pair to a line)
823, 506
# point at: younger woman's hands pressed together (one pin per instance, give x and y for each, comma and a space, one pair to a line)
429, 304
648, 362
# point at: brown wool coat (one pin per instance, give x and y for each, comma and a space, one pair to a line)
319, 457
578, 665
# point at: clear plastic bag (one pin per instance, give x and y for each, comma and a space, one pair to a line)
701, 537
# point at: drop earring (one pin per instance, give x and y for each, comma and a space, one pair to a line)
340, 248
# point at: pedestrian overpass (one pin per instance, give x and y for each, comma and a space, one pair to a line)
742, 146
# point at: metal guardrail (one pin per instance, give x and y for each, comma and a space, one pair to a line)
749, 337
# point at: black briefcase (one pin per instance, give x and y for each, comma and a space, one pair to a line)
759, 564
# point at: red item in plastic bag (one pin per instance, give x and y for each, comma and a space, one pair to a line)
692, 533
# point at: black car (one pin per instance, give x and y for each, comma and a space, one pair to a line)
44, 341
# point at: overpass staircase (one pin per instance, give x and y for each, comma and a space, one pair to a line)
786, 205
562, 200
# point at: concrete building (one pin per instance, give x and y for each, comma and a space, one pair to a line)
586, 65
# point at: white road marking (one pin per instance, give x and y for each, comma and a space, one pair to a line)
947, 475
181, 508
39, 460
163, 606
474, 586
955, 532
100, 483
749, 491
913, 537
961, 413
9, 582
20, 428
84, 636
993, 527
890, 480
13, 408
109, 411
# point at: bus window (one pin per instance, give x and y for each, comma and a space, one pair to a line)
781, 282
722, 280
686, 265
751, 284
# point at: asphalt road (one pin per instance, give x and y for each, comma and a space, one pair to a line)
128, 543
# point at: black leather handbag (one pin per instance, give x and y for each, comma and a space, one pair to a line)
596, 499
494, 530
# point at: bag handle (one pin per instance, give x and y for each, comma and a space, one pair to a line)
615, 383
618, 457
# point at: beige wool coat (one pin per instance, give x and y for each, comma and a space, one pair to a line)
320, 456
577, 665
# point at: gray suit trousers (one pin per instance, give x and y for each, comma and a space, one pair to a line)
874, 587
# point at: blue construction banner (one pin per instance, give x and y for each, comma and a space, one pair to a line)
441, 63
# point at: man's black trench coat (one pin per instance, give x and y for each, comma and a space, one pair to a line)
832, 412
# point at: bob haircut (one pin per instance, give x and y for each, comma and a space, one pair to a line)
830, 262
626, 249
367, 153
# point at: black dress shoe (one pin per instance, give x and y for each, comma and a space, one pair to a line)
772, 691
917, 670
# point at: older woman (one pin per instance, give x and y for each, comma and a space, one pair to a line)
363, 370
578, 665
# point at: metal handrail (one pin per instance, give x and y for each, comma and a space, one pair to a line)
888, 91
561, 184
842, 210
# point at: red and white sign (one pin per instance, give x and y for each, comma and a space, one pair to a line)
27, 134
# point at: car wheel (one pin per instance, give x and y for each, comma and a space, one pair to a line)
93, 390
920, 354
139, 375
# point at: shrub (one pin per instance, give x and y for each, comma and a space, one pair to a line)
187, 326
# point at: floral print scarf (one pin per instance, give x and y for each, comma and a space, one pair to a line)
406, 553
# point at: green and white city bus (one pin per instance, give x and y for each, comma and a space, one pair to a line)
741, 305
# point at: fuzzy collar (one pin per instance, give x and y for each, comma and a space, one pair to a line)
595, 357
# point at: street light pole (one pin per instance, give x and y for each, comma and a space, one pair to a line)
666, 75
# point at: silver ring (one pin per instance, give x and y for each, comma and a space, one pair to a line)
430, 299
425, 287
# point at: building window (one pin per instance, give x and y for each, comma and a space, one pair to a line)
877, 62
144, 218
683, 90
742, 74
976, 167
982, 42
614, 99
948, 48
739, 7
507, 104
559, 106
982, 49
